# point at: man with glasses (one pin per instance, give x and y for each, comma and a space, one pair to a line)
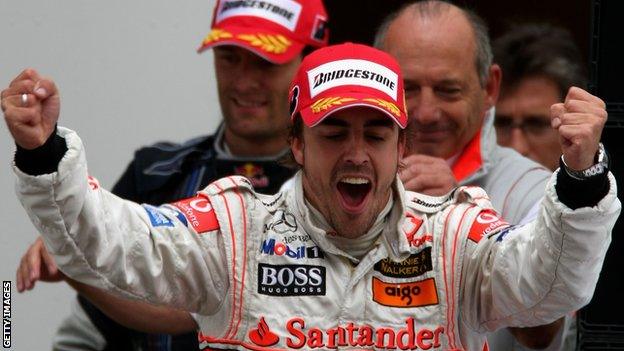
540, 63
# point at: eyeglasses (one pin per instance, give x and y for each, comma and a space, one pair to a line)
532, 126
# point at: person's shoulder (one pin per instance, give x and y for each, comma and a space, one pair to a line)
469, 195
165, 158
510, 164
165, 149
236, 185
519, 173
426, 203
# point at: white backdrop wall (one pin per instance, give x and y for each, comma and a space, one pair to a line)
129, 76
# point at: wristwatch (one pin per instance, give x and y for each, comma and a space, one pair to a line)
601, 165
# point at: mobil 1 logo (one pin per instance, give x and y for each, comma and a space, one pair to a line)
291, 280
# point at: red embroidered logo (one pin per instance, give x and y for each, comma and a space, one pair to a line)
486, 222
199, 212
411, 226
94, 184
262, 336
254, 173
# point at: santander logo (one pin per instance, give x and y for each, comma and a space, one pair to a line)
351, 335
262, 336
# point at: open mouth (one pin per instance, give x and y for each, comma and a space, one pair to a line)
353, 192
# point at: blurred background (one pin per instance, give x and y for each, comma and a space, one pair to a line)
129, 76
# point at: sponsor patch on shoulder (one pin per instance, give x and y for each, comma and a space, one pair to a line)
486, 222
405, 294
157, 218
199, 213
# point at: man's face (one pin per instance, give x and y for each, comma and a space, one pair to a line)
445, 100
523, 120
349, 162
253, 93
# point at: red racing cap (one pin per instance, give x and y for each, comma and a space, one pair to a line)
276, 30
344, 76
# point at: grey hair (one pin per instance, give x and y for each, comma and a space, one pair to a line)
431, 8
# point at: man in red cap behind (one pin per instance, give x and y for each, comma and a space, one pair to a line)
257, 47
345, 258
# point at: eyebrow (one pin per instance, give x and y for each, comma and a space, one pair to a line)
450, 81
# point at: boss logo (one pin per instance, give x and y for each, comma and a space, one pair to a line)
291, 280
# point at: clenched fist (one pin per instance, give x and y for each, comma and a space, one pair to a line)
579, 121
31, 107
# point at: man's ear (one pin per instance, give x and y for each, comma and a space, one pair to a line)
296, 146
402, 144
492, 86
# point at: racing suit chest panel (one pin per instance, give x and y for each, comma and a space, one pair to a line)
310, 299
296, 295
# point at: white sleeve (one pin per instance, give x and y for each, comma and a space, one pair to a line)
533, 274
99, 239
532, 214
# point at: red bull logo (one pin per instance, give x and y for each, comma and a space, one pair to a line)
254, 173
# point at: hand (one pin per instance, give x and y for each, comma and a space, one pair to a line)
427, 175
579, 121
36, 264
31, 106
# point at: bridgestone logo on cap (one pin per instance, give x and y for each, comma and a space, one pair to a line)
353, 72
284, 12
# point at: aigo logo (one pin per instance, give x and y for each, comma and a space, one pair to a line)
407, 294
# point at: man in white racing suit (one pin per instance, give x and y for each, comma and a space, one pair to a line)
346, 259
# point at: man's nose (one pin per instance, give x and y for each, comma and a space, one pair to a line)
518, 141
356, 151
247, 75
425, 109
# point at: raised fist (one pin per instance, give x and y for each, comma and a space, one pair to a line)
31, 107
579, 121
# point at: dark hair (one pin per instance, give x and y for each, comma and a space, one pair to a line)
539, 50
433, 8
294, 131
